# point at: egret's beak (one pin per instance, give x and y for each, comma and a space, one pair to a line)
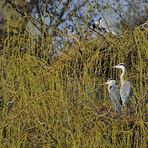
106, 83
103, 84
115, 66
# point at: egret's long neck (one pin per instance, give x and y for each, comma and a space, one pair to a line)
110, 85
122, 75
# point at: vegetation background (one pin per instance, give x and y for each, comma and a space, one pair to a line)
60, 100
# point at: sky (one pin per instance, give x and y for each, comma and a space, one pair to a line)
109, 14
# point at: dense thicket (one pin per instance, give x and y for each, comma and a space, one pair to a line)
63, 103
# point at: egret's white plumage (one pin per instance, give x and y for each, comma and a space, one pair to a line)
125, 89
114, 94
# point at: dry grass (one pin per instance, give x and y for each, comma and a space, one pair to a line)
64, 104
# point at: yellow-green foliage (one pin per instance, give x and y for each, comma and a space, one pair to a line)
64, 103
